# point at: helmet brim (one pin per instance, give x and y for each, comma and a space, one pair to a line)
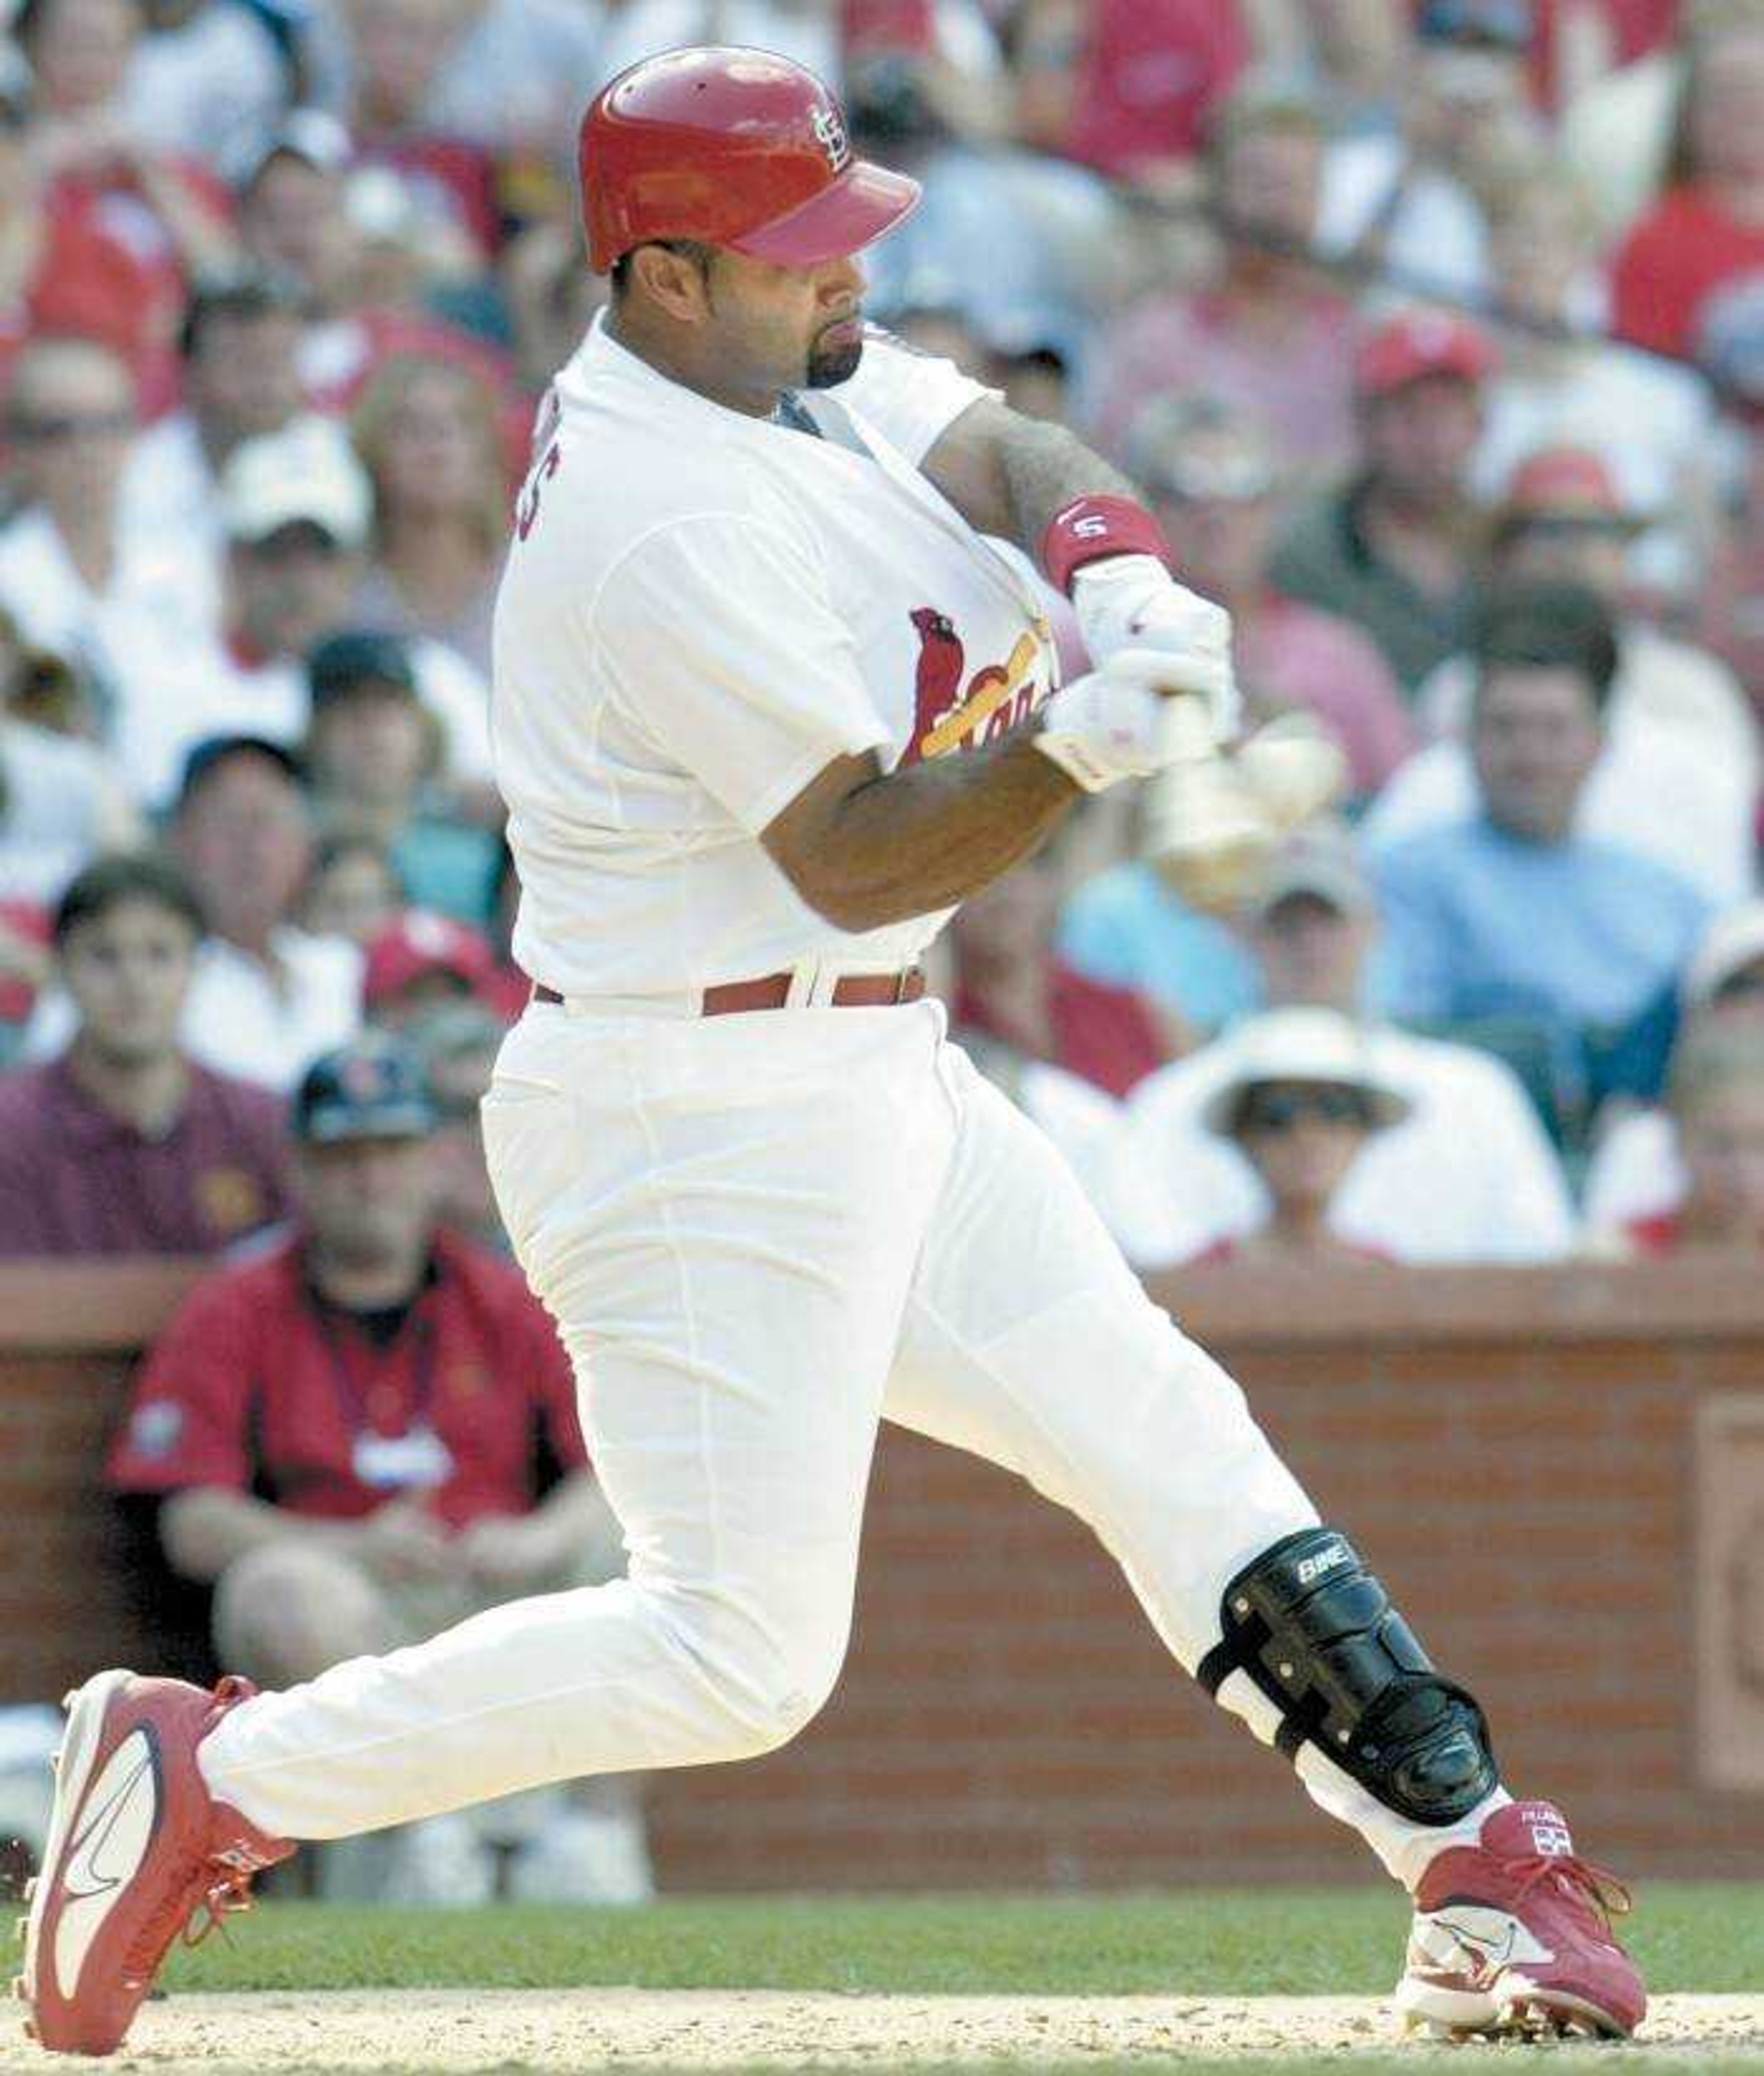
863, 204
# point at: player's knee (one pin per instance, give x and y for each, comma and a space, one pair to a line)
285, 1610
769, 1678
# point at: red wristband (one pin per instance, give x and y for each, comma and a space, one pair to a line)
1090, 528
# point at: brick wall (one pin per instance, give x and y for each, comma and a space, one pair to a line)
1516, 1452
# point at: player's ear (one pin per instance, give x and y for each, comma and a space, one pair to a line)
675, 281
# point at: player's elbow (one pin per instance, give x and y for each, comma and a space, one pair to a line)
853, 910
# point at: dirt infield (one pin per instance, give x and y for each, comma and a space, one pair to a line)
548, 2030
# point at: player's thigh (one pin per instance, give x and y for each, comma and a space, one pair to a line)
1029, 1341
724, 1224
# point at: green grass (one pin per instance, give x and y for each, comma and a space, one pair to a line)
1224, 1942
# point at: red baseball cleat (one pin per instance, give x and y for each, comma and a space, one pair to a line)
1513, 1936
137, 1848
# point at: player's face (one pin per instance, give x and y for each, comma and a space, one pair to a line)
787, 327
128, 972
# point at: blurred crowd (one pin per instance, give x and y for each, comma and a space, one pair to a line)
1433, 331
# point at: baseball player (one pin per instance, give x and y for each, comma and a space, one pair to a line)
767, 705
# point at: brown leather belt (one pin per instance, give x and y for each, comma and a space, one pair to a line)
736, 997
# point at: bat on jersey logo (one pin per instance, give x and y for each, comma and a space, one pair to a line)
951, 711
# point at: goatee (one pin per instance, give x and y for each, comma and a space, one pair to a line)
830, 365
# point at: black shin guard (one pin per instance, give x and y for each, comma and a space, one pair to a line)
1317, 1632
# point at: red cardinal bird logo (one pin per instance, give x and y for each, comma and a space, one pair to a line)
948, 717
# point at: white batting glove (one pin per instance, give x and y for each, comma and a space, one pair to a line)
1132, 602
1128, 718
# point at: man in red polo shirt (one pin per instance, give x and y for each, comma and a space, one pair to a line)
124, 1145
348, 1435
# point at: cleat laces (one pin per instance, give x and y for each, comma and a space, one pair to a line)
1593, 1888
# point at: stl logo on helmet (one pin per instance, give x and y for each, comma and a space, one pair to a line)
953, 712
829, 127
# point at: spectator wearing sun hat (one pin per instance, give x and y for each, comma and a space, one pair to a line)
1678, 778
1302, 1098
1467, 1176
1392, 548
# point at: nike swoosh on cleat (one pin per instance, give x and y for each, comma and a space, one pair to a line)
108, 1851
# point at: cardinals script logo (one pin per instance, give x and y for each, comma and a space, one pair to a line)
951, 711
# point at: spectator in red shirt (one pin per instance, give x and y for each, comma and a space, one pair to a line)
169, 211
1011, 990
1127, 85
1303, 1102
63, 268
1269, 334
124, 1145
1701, 247
1213, 480
1716, 1101
342, 1433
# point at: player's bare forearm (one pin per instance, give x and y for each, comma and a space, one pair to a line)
1008, 475
866, 848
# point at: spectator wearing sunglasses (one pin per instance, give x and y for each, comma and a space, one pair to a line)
78, 580
1302, 1104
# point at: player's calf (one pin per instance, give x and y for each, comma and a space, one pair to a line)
138, 1849
1512, 1932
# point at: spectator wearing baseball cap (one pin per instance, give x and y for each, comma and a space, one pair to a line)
1678, 778
1301, 1100
1467, 1175
421, 961
1636, 1170
296, 510
125, 1144
373, 753
1393, 548
340, 1438
1211, 475
1512, 912
1267, 334
456, 1044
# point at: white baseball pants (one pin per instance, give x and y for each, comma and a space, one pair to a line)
760, 1234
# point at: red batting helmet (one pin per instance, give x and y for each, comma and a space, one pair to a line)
730, 147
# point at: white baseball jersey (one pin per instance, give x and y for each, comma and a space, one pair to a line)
702, 610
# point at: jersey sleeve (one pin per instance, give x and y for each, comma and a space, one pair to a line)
911, 398
720, 646
189, 1421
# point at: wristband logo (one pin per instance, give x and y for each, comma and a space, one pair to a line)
953, 712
